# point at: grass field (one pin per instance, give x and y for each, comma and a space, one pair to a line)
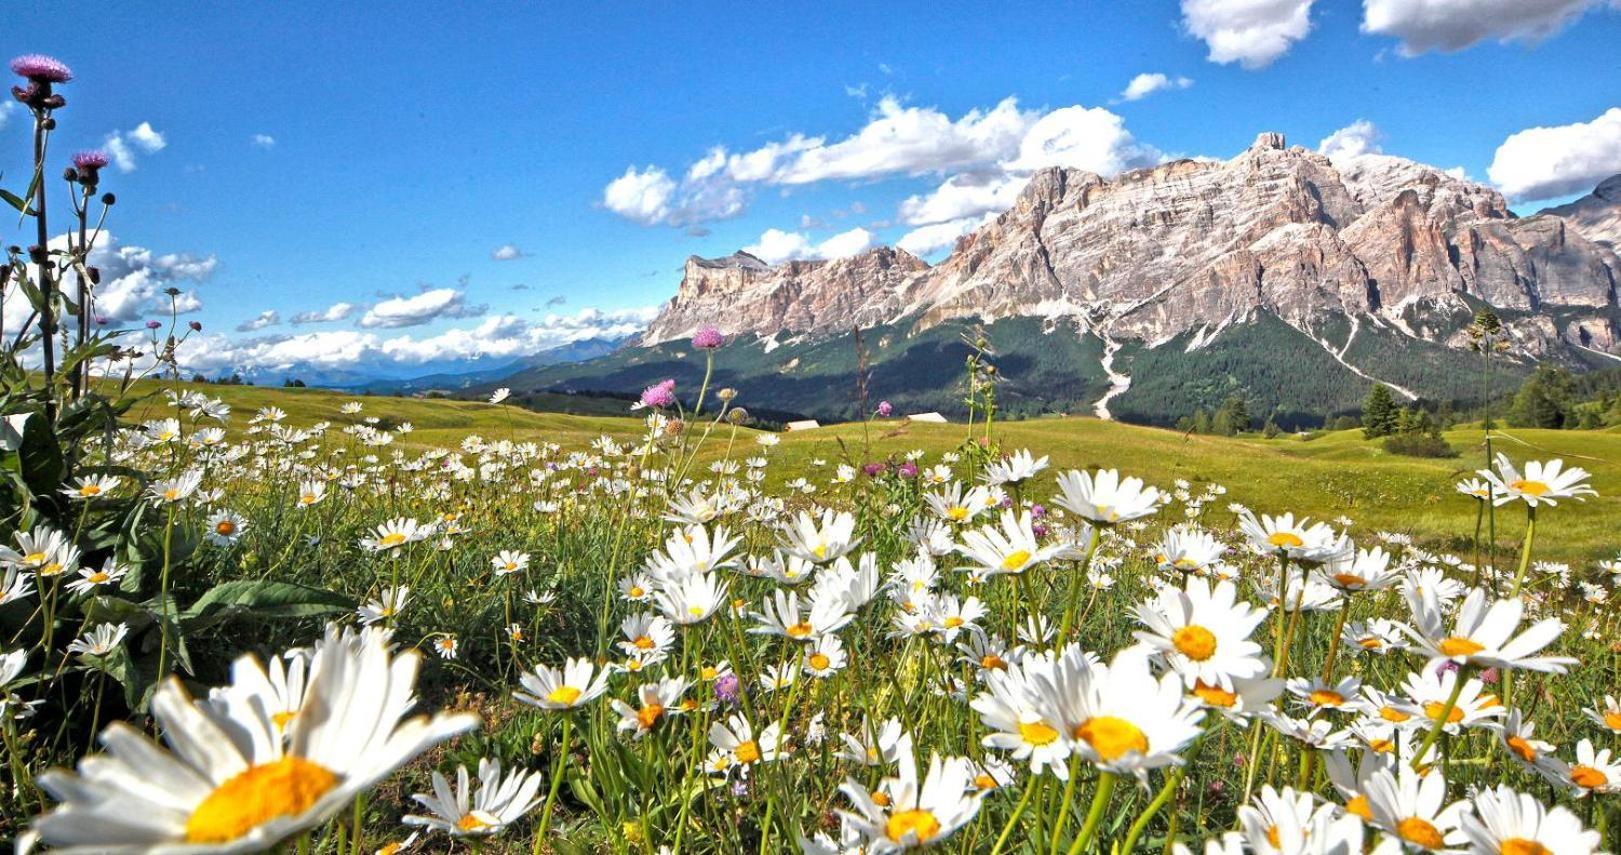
1325, 476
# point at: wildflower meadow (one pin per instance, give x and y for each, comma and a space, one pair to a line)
231, 630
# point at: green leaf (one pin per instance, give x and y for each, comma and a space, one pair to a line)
43, 466
265, 598
17, 202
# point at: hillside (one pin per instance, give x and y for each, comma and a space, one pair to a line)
1333, 474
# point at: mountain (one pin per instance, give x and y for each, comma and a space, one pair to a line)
1597, 215
447, 375
1281, 275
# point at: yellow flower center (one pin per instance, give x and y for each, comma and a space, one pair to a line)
1420, 831
1195, 642
286, 787
819, 661
881, 799
1359, 806
1326, 698
35, 558
709, 672
649, 715
473, 822
952, 622
820, 551
282, 719
642, 642
171, 494
958, 513
984, 781
1015, 560
1285, 540
748, 752
918, 823
1587, 777
1433, 710
1612, 719
1393, 715
393, 538
90, 490
1522, 846
565, 695
101, 578
1522, 747
1350, 580
636, 592
799, 630
1112, 737
1037, 733
992, 662
308, 499
1382, 746
1272, 837
226, 528
1457, 645
1215, 696
1371, 643
1532, 488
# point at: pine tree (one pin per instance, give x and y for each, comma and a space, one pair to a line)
1380, 415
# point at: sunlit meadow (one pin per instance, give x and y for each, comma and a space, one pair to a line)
225, 629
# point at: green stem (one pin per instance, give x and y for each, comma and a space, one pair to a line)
1018, 811
557, 779
1075, 584
1441, 720
1094, 816
1165, 793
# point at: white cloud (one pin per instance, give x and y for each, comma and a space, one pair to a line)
935, 237
7, 107
1451, 25
417, 309
1354, 140
1252, 33
1146, 84
267, 318
121, 146
502, 336
332, 313
1089, 138
1542, 163
776, 246
134, 280
507, 252
966, 194
640, 195
265, 141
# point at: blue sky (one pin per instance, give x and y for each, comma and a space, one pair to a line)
378, 155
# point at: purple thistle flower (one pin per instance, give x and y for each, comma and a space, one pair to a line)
884, 409
196, 326
708, 338
41, 68
1038, 511
90, 160
152, 325
907, 470
661, 394
873, 470
1038, 530
1490, 676
728, 688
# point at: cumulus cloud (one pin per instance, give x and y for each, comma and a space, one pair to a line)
1252, 33
1451, 25
331, 314
776, 246
966, 194
1542, 163
267, 318
418, 309
1354, 140
507, 252
265, 141
135, 282
1146, 84
122, 146
502, 336
930, 239
896, 140
7, 107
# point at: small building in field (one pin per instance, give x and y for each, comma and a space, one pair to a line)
803, 424
931, 418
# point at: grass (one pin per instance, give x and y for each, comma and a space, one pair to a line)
1326, 476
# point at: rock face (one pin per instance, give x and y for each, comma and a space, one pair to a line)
1597, 216
1194, 246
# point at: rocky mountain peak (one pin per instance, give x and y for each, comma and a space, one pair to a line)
1596, 216
1269, 140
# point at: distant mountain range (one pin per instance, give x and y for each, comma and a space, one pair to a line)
1279, 274
449, 376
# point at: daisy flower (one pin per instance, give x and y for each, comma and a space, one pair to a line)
498, 802
509, 561
232, 782
111, 573
91, 487
1593, 771
1607, 715
1105, 498
736, 741
572, 686
1484, 636
1542, 483
1412, 806
385, 607
912, 814
1304, 541
655, 701
446, 646
646, 633
1203, 632
1363, 570
1188, 549
225, 528
396, 533
1119, 716
1512, 823
101, 640
824, 657
876, 744
820, 541
1427, 701
691, 600
1016, 468
1010, 549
